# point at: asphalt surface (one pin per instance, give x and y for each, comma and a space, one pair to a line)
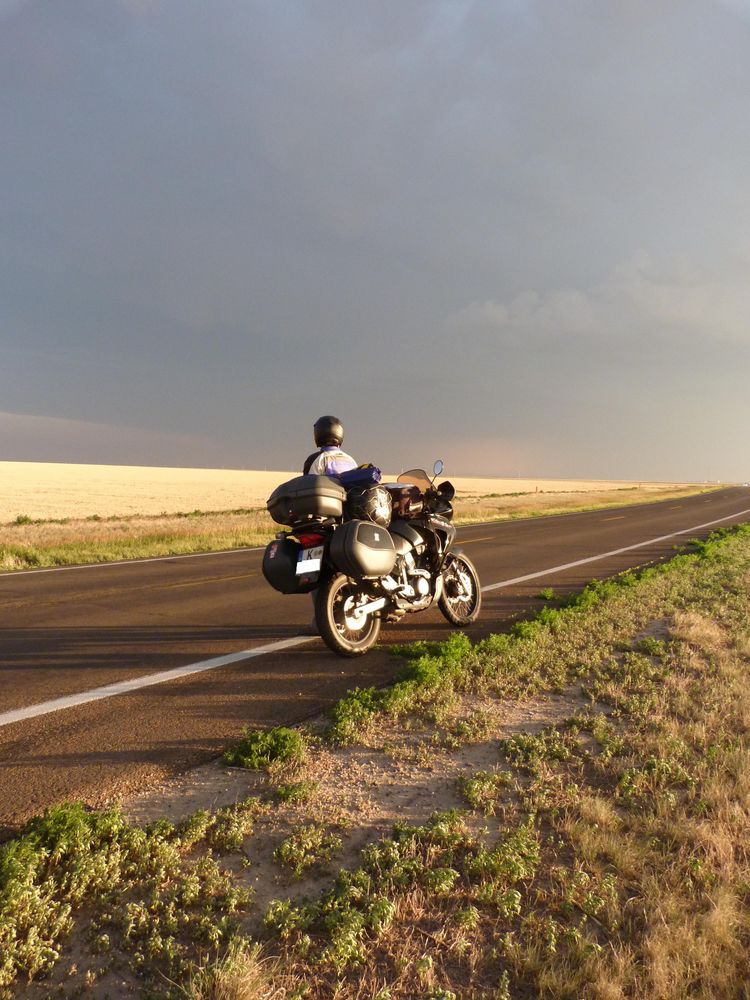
69, 631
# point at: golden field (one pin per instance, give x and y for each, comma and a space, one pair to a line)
41, 490
56, 515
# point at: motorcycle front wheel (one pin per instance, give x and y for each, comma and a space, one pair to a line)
461, 599
341, 628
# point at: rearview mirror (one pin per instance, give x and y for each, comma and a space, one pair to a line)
437, 467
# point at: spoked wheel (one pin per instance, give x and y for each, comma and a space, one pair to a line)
342, 628
461, 599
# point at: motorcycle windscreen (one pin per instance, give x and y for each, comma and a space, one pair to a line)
418, 477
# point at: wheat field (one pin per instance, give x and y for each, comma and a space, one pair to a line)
41, 490
55, 514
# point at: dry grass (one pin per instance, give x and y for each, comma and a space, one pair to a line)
65, 514
686, 927
49, 490
94, 541
241, 974
25, 546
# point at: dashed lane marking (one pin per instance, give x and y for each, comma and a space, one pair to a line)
101, 594
124, 687
612, 552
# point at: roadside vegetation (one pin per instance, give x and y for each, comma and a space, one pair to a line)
573, 821
27, 543
264, 749
35, 543
479, 508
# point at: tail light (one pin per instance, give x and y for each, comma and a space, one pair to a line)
310, 539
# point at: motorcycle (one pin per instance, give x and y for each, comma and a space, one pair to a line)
370, 554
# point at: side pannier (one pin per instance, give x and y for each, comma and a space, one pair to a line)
306, 498
362, 550
284, 569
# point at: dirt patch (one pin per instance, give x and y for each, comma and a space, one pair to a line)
360, 792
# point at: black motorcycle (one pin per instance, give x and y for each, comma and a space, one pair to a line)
370, 553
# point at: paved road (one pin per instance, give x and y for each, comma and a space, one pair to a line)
69, 631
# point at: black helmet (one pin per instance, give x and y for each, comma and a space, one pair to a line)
372, 503
328, 430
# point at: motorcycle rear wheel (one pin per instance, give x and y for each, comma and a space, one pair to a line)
340, 628
461, 599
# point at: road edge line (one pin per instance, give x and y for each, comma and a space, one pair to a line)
135, 683
148, 680
612, 552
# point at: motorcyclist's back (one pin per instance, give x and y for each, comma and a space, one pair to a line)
329, 459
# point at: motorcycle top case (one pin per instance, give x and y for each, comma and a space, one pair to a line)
281, 567
306, 498
362, 550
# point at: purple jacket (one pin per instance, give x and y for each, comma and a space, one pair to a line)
329, 461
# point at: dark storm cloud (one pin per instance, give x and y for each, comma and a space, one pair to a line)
514, 232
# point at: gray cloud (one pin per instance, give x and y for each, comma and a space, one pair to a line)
452, 222
740, 7
679, 301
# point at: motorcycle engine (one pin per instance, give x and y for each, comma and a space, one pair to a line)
410, 582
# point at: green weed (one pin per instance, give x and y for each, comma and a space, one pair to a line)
547, 594
434, 858
484, 790
530, 750
259, 749
651, 647
310, 845
295, 792
68, 858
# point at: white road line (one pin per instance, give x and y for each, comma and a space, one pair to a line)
125, 562
124, 687
613, 552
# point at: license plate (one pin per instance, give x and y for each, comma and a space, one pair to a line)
309, 560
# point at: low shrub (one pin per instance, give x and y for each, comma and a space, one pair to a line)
258, 749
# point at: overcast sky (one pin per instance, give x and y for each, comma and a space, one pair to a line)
512, 233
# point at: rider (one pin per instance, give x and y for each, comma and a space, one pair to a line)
329, 459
